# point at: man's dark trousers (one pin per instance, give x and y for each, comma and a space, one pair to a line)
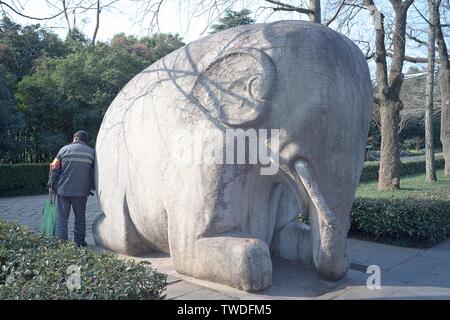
63, 205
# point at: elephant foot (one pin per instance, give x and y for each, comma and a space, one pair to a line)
293, 242
242, 263
331, 267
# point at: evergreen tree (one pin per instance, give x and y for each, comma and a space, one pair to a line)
233, 19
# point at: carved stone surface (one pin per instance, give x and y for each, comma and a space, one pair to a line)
221, 222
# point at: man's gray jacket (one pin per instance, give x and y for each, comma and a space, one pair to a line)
72, 171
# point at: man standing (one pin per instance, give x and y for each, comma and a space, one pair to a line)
71, 177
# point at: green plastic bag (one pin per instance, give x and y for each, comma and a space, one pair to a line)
48, 223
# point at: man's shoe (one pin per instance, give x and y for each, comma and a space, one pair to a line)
82, 244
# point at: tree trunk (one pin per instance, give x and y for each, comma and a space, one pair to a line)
66, 15
429, 140
315, 6
97, 23
388, 90
389, 174
444, 83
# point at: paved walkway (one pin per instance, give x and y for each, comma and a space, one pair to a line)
405, 273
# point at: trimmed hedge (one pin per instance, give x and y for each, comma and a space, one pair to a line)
22, 179
31, 178
37, 267
411, 167
407, 222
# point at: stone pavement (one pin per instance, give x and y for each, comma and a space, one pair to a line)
27, 210
405, 273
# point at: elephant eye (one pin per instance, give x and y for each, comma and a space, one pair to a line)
239, 85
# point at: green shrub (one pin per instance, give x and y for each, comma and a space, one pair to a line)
21, 179
408, 222
407, 167
418, 214
414, 143
370, 171
31, 178
36, 267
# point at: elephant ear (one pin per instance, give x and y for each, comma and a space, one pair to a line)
236, 88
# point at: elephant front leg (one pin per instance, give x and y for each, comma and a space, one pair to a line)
239, 262
206, 236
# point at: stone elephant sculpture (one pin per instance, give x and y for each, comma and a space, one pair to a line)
219, 221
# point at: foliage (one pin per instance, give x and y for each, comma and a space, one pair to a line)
148, 48
21, 179
414, 143
416, 215
73, 93
75, 40
407, 167
11, 121
232, 19
36, 267
21, 46
50, 88
409, 222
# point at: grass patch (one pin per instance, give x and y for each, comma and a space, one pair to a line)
34, 267
417, 215
408, 167
413, 186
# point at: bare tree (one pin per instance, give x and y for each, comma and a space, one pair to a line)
86, 6
444, 76
65, 8
97, 22
283, 6
148, 11
387, 95
316, 16
444, 82
17, 8
313, 10
66, 15
429, 141
413, 97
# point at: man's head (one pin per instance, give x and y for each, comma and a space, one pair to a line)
80, 136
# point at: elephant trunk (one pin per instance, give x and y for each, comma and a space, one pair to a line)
329, 238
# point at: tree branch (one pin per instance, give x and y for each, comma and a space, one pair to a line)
411, 59
336, 13
65, 13
419, 41
2, 3
288, 7
423, 17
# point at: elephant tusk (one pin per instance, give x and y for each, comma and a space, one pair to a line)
315, 195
